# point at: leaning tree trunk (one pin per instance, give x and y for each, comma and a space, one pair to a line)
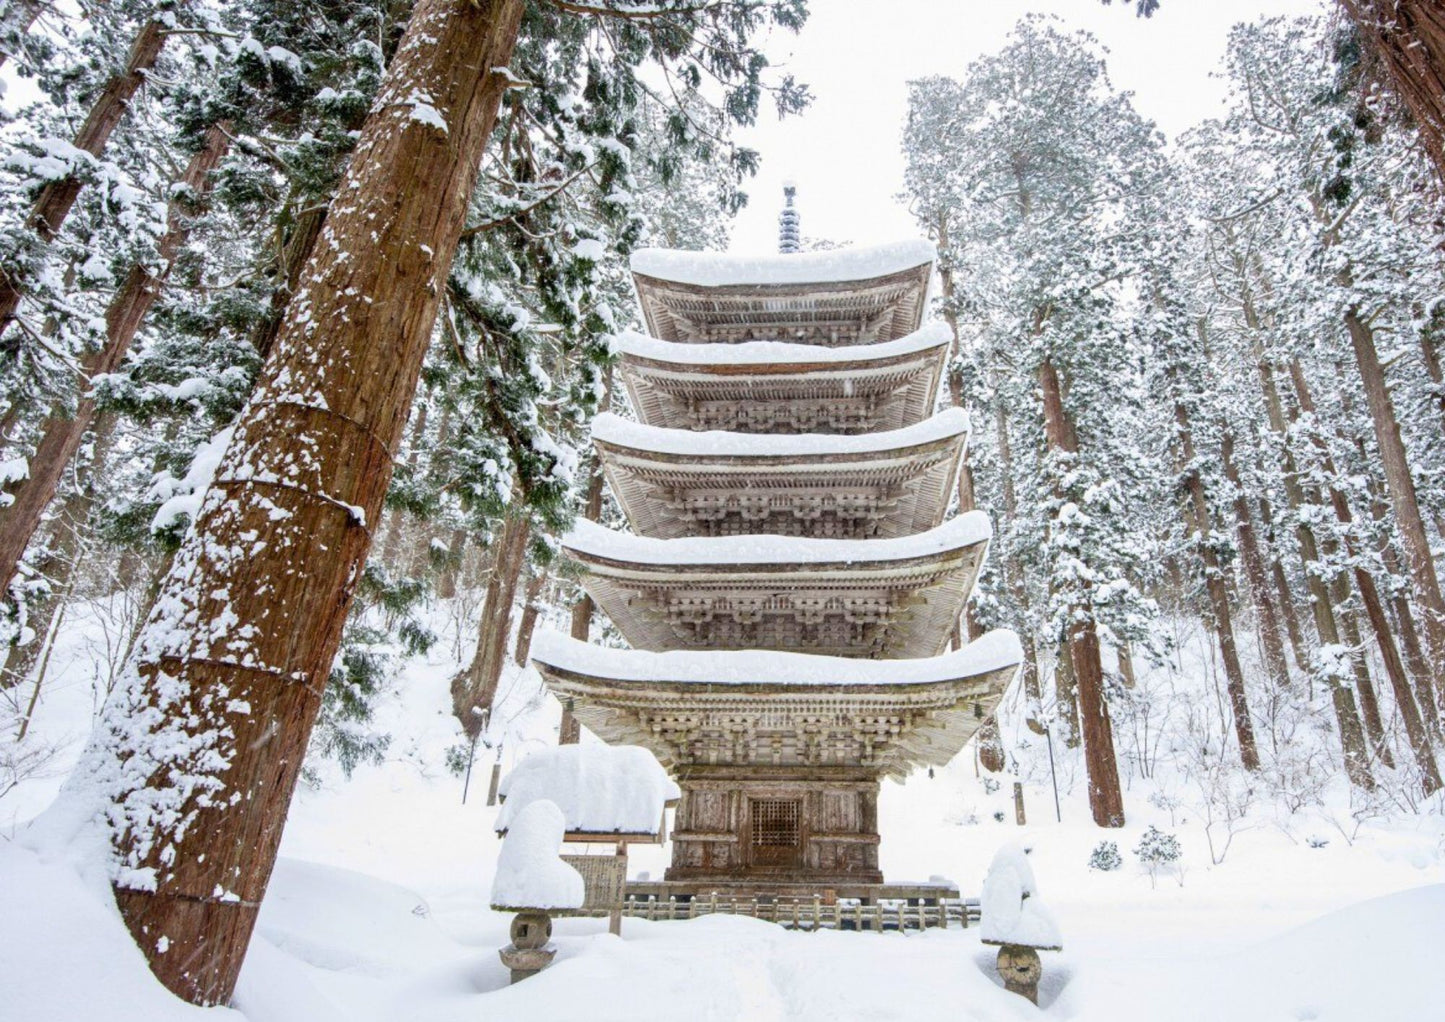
1218, 592
474, 688
1106, 800
1271, 633
56, 199
60, 435
1408, 37
1401, 486
203, 741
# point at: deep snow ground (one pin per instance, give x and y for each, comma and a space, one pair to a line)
378, 908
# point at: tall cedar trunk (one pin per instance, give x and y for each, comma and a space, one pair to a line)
232, 665
1431, 358
1283, 589
1066, 695
528, 624
1374, 606
61, 436
1106, 800
56, 199
1270, 632
1364, 683
1401, 486
1408, 38
474, 688
1352, 736
1030, 669
298, 240
1198, 518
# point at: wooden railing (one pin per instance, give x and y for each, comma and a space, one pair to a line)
844, 914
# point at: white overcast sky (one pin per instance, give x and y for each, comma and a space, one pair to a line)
858, 55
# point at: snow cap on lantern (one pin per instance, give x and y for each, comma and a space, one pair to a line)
1010, 906
530, 874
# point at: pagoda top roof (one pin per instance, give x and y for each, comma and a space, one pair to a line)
834, 299
835, 266
994, 651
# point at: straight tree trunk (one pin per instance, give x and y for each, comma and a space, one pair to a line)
528, 624
61, 435
1352, 736
229, 673
1106, 799
1270, 632
57, 198
474, 688
1401, 486
1283, 589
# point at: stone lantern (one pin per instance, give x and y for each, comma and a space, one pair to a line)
1016, 921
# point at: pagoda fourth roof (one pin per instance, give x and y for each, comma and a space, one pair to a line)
758, 356
717, 269
993, 651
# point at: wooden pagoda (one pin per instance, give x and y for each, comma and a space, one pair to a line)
789, 585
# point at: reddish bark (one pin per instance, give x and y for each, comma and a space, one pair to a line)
239, 649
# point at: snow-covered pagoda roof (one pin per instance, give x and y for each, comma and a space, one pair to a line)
775, 386
602, 790
787, 708
674, 482
840, 297
895, 597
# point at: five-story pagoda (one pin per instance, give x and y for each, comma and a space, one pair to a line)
789, 585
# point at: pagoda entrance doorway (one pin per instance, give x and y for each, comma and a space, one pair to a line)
775, 833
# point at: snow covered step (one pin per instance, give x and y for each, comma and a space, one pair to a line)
870, 598
674, 483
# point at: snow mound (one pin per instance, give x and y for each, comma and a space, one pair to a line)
613, 429
638, 345
589, 538
1011, 909
713, 269
529, 873
606, 789
992, 651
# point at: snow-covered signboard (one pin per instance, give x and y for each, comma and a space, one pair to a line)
605, 792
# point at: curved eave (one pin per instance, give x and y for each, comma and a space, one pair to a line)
829, 313
942, 715
893, 606
891, 489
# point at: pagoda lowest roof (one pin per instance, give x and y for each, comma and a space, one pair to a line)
839, 297
790, 711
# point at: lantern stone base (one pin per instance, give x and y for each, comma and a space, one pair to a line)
1020, 969
529, 953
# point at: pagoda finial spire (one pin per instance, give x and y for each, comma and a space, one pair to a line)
789, 231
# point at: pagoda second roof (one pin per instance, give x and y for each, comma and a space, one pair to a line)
773, 386
841, 297
898, 597
674, 483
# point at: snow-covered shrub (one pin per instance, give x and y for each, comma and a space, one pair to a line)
1158, 851
1105, 857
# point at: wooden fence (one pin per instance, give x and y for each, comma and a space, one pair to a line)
845, 914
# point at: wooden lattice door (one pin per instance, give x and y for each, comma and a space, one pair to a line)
777, 839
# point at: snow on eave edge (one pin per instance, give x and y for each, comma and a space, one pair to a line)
718, 269
609, 428
631, 343
993, 651
588, 539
